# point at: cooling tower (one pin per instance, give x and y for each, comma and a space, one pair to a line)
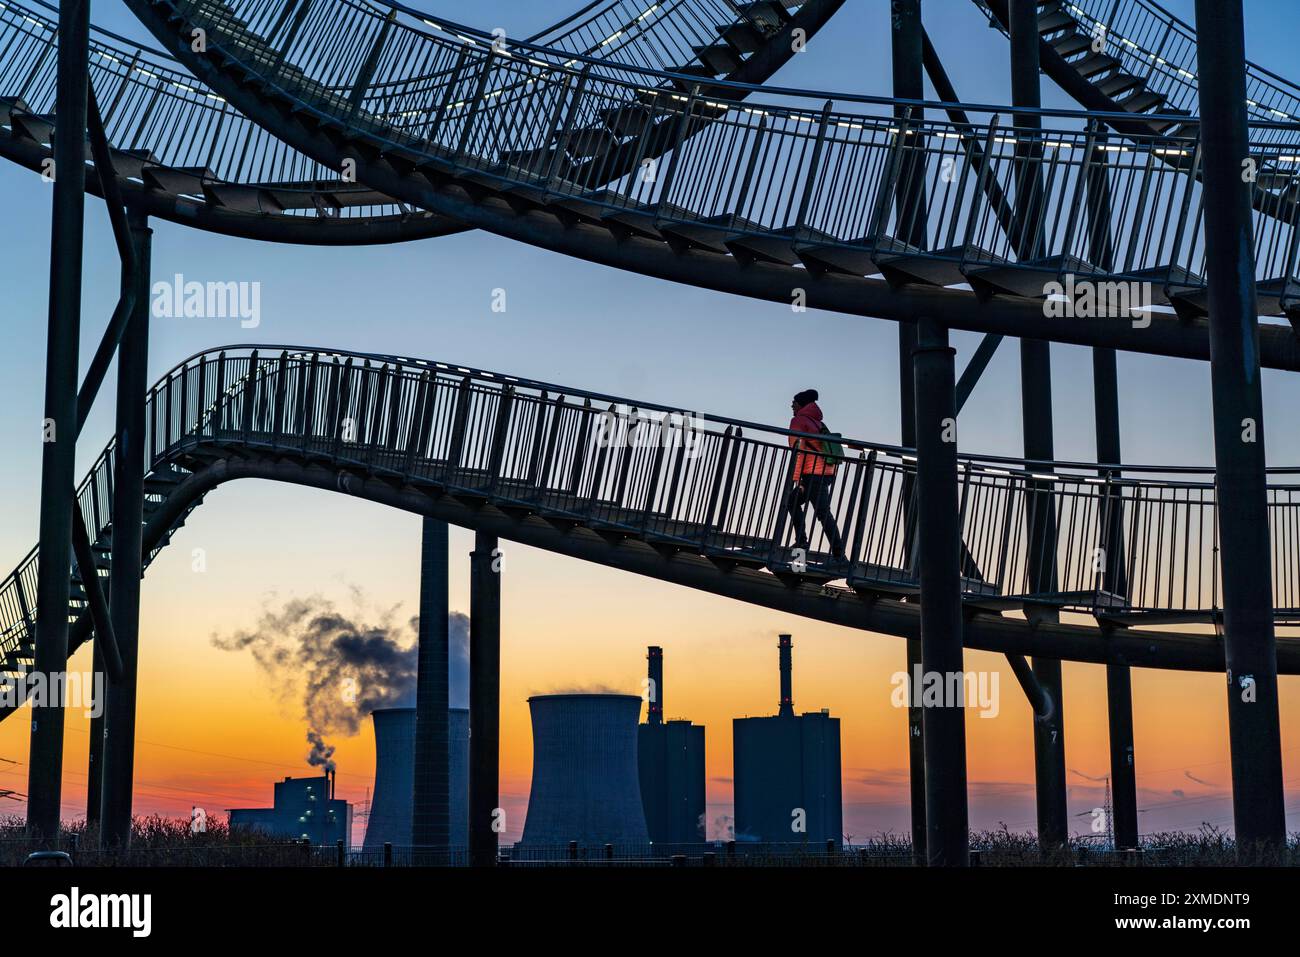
585, 786
391, 804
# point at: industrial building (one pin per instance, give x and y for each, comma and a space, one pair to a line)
391, 804
787, 772
304, 809
585, 787
670, 762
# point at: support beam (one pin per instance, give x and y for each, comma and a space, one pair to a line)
1036, 410
907, 55
431, 800
947, 93
979, 361
939, 541
127, 565
58, 458
1038, 697
484, 699
1242, 495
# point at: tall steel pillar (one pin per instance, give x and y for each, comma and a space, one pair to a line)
1241, 484
939, 544
430, 800
1036, 409
484, 698
95, 757
1119, 684
909, 84
1105, 391
127, 564
58, 456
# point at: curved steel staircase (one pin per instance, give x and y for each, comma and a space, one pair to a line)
693, 499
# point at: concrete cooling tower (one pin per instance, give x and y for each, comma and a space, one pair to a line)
390, 804
585, 785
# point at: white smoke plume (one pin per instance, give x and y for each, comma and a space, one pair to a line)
339, 668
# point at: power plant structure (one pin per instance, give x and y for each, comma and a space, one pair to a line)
585, 786
787, 772
670, 762
392, 806
304, 809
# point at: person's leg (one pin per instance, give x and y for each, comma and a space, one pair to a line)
821, 496
794, 504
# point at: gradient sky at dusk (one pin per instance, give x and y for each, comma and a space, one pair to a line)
213, 732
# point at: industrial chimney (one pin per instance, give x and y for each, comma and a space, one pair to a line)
670, 758
655, 702
787, 694
585, 786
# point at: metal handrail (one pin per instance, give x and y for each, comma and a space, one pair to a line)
508, 120
1153, 44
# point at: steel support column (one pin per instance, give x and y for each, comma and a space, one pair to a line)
484, 698
939, 544
430, 802
58, 458
906, 48
1105, 390
1119, 684
95, 757
127, 565
1036, 406
1241, 484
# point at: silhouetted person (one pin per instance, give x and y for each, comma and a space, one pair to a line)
814, 474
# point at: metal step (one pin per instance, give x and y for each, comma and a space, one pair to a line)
1143, 102
853, 258
776, 246
241, 197
719, 58
185, 180
38, 127
1120, 84
1168, 282
10, 105
590, 143
1055, 21
767, 16
1026, 279
742, 36
938, 267
1094, 64
1071, 44
630, 119
130, 164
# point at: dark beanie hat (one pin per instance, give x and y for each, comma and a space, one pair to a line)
806, 396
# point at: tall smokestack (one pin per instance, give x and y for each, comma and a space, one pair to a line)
787, 695
655, 712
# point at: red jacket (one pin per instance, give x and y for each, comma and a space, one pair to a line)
809, 461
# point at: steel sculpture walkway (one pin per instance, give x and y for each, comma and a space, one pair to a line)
799, 192
691, 499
